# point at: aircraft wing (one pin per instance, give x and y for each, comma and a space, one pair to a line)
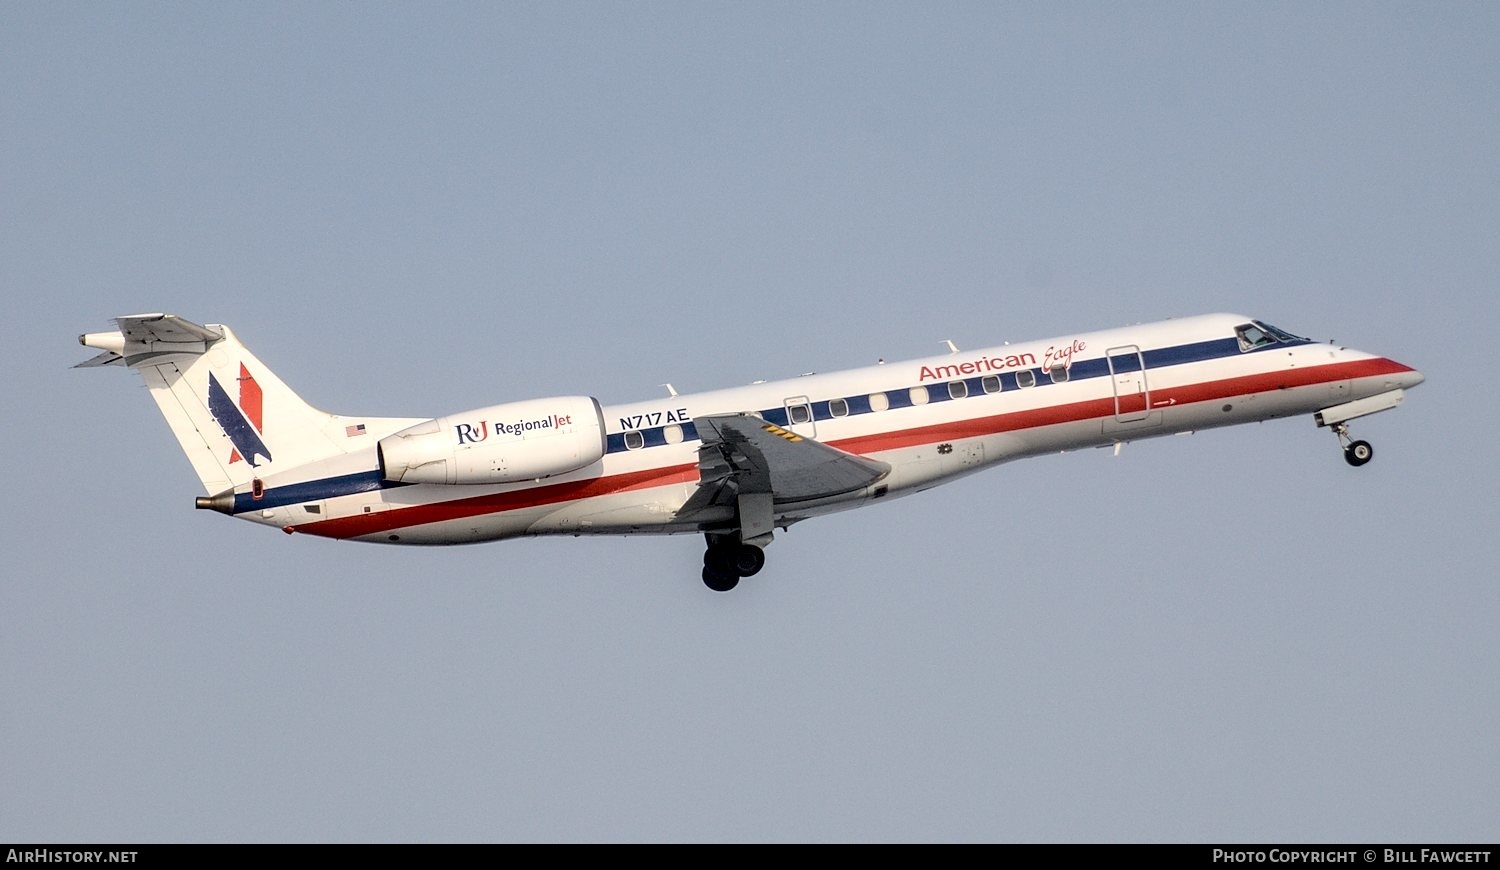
745, 454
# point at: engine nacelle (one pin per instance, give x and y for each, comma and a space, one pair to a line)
500, 444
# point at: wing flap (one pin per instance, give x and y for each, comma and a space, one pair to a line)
761, 457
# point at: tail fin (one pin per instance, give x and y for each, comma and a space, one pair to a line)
235, 419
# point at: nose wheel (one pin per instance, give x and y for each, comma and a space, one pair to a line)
1356, 453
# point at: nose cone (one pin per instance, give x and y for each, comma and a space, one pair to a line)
1410, 378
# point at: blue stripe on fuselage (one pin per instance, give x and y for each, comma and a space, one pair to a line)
937, 391
313, 490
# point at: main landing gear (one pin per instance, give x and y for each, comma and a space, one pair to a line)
727, 560
1356, 453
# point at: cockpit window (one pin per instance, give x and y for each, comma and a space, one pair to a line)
1281, 334
1252, 336
1257, 334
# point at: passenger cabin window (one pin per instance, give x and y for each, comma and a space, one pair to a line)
879, 402
838, 408
634, 440
1058, 374
673, 433
1025, 378
957, 389
799, 414
991, 383
918, 395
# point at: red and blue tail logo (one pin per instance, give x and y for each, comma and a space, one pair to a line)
241, 422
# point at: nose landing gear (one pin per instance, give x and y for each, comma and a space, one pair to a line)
1356, 453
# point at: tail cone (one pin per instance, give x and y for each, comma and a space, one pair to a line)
223, 502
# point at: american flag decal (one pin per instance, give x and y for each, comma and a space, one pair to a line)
351, 431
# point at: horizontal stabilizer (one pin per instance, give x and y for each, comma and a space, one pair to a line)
146, 339
108, 358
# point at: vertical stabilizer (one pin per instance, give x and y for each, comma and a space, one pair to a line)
235, 419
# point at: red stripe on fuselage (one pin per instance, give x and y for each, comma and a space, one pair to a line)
499, 502
1073, 412
360, 525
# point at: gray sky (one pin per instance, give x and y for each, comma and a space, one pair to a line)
420, 209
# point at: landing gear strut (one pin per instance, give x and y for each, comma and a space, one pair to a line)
1356, 453
727, 560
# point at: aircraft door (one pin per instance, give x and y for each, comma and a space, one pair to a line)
799, 417
1127, 370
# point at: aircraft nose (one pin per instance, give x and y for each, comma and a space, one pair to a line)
1399, 375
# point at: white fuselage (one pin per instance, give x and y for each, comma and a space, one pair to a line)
930, 419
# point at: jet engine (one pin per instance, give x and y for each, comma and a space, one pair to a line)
509, 443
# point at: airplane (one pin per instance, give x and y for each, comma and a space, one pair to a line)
733, 465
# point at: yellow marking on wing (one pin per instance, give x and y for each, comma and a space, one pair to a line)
777, 430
